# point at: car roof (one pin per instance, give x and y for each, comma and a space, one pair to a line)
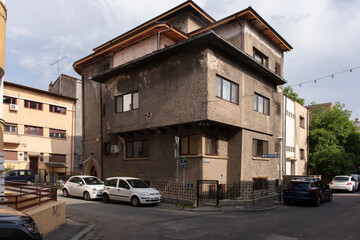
305, 179
123, 178
83, 176
342, 176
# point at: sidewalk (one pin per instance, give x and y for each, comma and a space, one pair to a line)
72, 230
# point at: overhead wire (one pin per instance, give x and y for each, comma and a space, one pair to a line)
327, 76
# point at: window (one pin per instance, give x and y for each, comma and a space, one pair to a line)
33, 105
260, 147
127, 102
25, 156
137, 149
302, 122
60, 158
41, 157
189, 145
290, 149
123, 184
11, 128
261, 58
302, 154
277, 69
9, 100
261, 104
57, 109
31, 130
54, 133
111, 182
227, 90
211, 146
260, 183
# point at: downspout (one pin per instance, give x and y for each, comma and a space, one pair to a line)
101, 135
284, 135
158, 36
241, 34
72, 140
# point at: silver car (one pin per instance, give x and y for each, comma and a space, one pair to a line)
343, 182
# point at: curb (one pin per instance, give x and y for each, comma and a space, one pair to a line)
83, 232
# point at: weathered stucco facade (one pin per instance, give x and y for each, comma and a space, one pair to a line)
180, 90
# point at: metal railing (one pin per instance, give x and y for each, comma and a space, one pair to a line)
21, 196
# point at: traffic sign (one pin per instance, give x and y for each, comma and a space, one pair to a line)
270, 155
190, 185
184, 161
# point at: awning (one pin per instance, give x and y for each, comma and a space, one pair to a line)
56, 165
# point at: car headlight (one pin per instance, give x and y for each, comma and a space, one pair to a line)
145, 194
32, 227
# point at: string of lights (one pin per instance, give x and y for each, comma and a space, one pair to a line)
327, 76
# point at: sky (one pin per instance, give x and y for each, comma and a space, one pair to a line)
324, 35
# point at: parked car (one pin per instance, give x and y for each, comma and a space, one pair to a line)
88, 187
343, 182
307, 189
23, 175
129, 189
17, 225
357, 179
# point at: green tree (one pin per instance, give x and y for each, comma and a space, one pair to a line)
289, 92
334, 142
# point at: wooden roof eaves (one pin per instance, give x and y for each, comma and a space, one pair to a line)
257, 17
183, 5
115, 45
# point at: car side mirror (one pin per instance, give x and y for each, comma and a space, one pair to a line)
127, 187
80, 183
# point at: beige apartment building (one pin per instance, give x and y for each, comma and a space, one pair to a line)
38, 132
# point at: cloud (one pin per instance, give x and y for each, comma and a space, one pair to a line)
18, 32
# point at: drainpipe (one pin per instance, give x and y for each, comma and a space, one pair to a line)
72, 140
284, 135
101, 135
158, 36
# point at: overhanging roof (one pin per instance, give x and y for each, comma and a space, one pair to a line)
256, 20
207, 39
56, 165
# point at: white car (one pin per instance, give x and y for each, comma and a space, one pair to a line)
343, 183
129, 189
88, 187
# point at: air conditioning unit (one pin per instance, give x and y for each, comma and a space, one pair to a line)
13, 107
115, 149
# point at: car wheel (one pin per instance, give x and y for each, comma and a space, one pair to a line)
318, 201
106, 198
135, 201
330, 197
86, 196
65, 193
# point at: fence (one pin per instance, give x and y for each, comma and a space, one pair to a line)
250, 190
22, 196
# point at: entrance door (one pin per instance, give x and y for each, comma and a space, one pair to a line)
34, 164
93, 172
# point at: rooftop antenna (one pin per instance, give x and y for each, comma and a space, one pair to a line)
57, 62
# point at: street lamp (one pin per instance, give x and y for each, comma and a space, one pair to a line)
280, 140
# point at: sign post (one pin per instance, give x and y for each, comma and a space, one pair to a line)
177, 167
275, 156
183, 163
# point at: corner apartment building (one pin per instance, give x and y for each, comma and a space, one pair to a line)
296, 126
217, 85
38, 131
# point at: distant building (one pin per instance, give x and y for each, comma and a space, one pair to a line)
296, 126
72, 87
217, 85
357, 123
38, 131
311, 108
3, 17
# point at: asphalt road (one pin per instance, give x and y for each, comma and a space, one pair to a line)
339, 219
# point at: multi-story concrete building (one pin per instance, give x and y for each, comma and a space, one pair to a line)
39, 128
3, 17
296, 133
217, 85
71, 87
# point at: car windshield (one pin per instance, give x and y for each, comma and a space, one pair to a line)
341, 179
92, 181
137, 183
299, 185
